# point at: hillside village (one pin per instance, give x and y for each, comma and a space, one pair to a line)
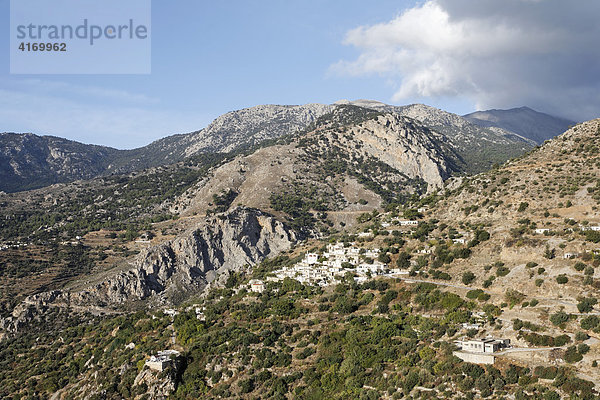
327, 268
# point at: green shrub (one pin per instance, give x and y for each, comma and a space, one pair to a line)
579, 266
559, 317
468, 277
562, 279
539, 282
531, 264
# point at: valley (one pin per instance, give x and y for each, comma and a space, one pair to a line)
444, 231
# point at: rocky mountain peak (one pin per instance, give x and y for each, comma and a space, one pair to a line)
252, 125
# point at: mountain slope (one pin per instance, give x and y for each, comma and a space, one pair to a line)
523, 121
318, 180
348, 162
229, 132
478, 147
29, 161
350, 155
474, 266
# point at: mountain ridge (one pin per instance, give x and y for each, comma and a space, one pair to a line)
524, 121
510, 252
231, 131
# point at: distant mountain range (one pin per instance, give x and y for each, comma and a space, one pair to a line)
523, 121
29, 161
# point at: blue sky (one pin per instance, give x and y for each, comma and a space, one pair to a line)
212, 57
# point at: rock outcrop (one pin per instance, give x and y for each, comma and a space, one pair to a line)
222, 243
479, 147
253, 125
167, 273
405, 145
159, 384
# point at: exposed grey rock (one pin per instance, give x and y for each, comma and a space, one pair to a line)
406, 146
222, 243
28, 310
160, 385
478, 147
253, 125
168, 272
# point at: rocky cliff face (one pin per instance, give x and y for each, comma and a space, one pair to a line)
160, 385
226, 242
170, 271
406, 146
222, 243
478, 146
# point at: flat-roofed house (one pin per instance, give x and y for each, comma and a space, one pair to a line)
486, 345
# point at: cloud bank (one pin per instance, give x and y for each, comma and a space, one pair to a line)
496, 54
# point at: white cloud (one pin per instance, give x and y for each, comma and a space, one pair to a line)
121, 126
540, 53
64, 89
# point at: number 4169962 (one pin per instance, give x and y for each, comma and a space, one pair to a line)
43, 47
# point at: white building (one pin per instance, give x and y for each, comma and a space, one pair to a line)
171, 312
541, 231
372, 253
376, 268
487, 345
311, 258
591, 228
162, 360
336, 249
353, 251
325, 270
256, 285
405, 222
398, 271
